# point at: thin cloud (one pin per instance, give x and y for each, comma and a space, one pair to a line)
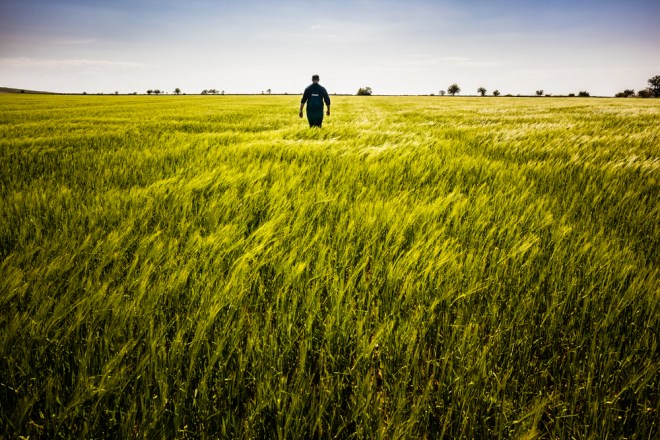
58, 64
430, 61
72, 42
468, 62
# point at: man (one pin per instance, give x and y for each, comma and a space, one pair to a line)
315, 95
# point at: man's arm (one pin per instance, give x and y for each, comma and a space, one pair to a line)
326, 98
304, 99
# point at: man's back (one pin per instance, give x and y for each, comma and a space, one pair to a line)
315, 95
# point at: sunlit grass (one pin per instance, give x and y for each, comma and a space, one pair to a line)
420, 267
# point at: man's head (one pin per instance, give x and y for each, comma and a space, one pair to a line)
315, 78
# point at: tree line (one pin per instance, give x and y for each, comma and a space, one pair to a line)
653, 90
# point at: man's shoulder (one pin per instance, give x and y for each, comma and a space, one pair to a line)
316, 88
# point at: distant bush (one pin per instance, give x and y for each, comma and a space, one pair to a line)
645, 93
625, 94
583, 94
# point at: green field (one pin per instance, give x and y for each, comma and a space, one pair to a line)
421, 267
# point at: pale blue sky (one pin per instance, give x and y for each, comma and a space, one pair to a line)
393, 46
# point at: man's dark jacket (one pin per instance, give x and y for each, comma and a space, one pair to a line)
316, 94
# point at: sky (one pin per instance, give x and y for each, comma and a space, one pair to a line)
392, 46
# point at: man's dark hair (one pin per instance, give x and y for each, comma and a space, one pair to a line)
315, 77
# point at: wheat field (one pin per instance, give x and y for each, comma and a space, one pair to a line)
420, 267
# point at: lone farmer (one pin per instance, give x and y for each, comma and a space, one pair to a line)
315, 95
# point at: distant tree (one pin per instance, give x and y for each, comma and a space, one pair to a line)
116, 92
441, 93
625, 94
496, 93
222, 92
157, 92
84, 93
654, 85
645, 93
453, 89
481, 91
149, 92
364, 91
583, 94
539, 93
177, 90
571, 95
268, 91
